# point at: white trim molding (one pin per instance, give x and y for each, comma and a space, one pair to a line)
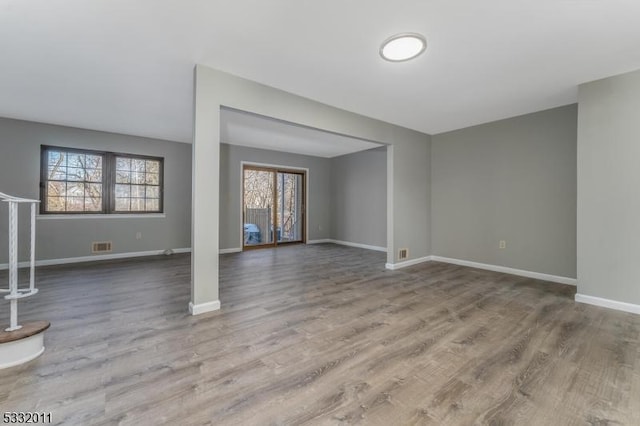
507, 270
359, 245
203, 308
400, 265
349, 244
324, 241
608, 303
101, 216
112, 256
179, 250
229, 250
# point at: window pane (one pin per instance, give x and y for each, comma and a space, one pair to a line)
153, 179
137, 204
137, 191
123, 163
56, 159
55, 204
93, 175
153, 192
75, 204
152, 205
75, 189
76, 160
93, 204
56, 189
137, 177
122, 204
57, 173
153, 166
123, 191
137, 166
93, 190
94, 161
75, 174
123, 177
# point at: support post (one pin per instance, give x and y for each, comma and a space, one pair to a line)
13, 264
32, 248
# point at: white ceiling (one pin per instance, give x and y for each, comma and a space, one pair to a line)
240, 128
127, 66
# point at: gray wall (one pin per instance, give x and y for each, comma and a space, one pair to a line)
63, 238
609, 188
318, 209
409, 194
512, 180
359, 197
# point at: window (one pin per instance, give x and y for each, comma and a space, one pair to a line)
137, 184
73, 181
82, 181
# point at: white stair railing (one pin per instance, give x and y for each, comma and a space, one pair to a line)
14, 291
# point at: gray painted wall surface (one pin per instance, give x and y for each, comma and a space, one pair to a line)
609, 188
359, 197
411, 199
318, 209
512, 180
63, 238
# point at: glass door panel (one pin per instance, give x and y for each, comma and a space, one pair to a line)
290, 207
272, 206
259, 213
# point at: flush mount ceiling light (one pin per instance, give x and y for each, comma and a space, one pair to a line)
402, 47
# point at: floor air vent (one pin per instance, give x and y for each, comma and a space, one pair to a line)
403, 253
101, 246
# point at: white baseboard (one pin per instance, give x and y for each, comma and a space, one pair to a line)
399, 265
230, 250
180, 250
507, 270
350, 244
204, 307
607, 303
326, 240
111, 256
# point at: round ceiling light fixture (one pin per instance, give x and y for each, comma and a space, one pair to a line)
403, 47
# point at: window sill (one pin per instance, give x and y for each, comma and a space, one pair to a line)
101, 216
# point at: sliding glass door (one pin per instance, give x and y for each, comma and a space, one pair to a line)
273, 206
259, 202
290, 204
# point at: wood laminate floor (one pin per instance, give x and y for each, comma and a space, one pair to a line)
322, 335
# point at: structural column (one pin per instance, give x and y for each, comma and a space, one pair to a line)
205, 198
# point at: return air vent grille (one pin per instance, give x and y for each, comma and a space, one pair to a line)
101, 246
403, 253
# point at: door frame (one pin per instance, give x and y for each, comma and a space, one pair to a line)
278, 168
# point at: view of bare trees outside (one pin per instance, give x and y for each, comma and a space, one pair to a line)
74, 182
258, 189
261, 189
258, 206
137, 185
289, 200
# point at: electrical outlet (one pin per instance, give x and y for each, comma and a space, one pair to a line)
138, 235
503, 244
319, 227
